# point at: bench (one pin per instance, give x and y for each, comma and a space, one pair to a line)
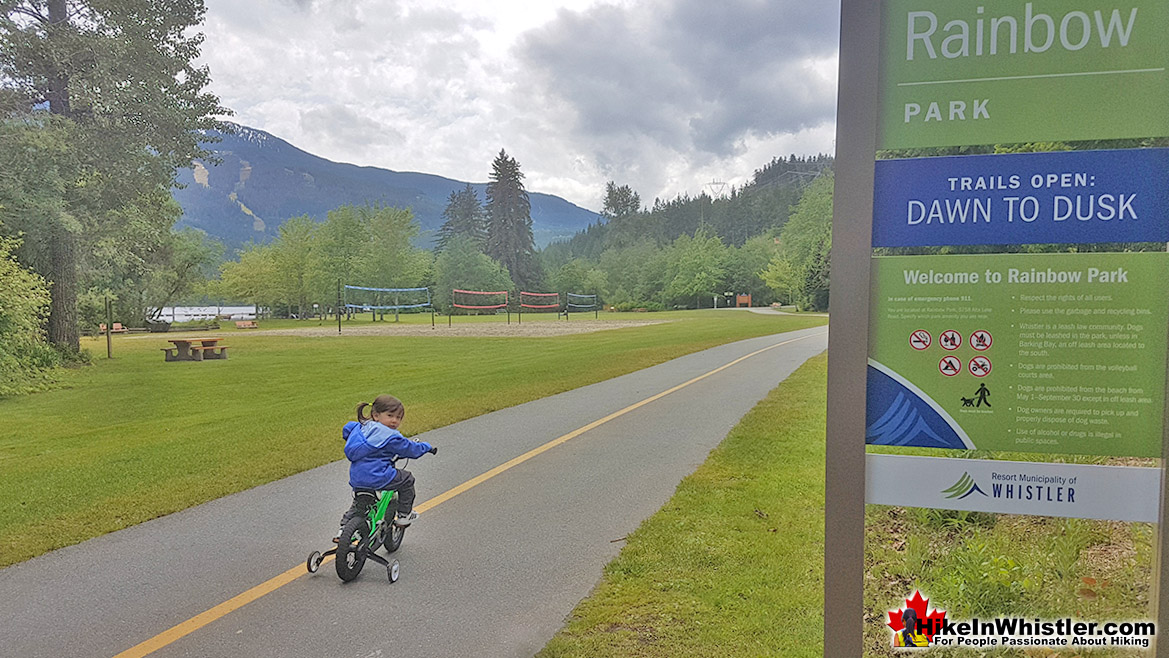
118, 328
195, 349
197, 353
247, 324
201, 353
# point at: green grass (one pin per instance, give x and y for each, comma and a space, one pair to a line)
133, 438
990, 565
749, 584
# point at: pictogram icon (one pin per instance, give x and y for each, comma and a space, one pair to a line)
950, 340
920, 339
981, 340
980, 366
950, 365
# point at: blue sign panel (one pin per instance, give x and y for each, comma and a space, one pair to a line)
1075, 197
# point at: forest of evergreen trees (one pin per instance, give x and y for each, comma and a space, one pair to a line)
687, 251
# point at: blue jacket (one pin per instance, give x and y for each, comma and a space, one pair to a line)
371, 448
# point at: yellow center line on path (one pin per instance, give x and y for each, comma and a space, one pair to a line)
193, 624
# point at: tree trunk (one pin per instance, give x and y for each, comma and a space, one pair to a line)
58, 92
63, 331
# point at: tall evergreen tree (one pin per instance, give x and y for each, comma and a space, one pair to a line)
464, 216
509, 221
620, 201
125, 109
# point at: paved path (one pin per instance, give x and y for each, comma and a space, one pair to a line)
492, 571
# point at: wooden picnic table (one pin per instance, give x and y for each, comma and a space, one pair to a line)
195, 349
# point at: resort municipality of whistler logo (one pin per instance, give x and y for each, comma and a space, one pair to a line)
965, 486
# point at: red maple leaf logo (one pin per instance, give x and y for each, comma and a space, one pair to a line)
919, 606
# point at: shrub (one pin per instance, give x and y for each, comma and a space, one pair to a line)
26, 360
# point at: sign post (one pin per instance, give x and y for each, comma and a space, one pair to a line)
844, 500
109, 328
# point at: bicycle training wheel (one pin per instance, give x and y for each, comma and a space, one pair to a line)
352, 549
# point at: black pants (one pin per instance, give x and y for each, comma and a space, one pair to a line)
363, 499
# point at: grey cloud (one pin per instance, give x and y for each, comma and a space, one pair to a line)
662, 94
688, 73
347, 129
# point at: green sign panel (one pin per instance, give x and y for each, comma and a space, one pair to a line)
1055, 353
1005, 71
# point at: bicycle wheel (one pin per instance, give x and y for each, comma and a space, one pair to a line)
352, 549
394, 535
393, 532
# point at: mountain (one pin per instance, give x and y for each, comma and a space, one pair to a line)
262, 180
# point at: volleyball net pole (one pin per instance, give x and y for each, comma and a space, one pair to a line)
544, 296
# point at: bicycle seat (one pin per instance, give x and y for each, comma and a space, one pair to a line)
372, 496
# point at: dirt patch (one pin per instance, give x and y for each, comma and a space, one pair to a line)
466, 329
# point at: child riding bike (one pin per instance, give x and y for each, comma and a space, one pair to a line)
372, 444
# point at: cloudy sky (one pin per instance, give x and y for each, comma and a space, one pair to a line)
662, 95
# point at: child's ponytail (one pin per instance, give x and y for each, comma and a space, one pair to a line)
382, 404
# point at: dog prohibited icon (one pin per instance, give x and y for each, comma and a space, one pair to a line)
950, 365
920, 339
950, 340
981, 340
980, 366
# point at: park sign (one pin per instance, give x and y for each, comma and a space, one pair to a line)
1079, 491
1054, 353
1068, 197
1058, 353
1006, 71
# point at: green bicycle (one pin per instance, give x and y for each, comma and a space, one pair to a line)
363, 535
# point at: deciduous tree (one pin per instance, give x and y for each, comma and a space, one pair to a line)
461, 265
800, 270
697, 268
253, 278
24, 301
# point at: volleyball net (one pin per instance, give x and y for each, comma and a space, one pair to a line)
361, 298
577, 303
581, 302
540, 301
479, 300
